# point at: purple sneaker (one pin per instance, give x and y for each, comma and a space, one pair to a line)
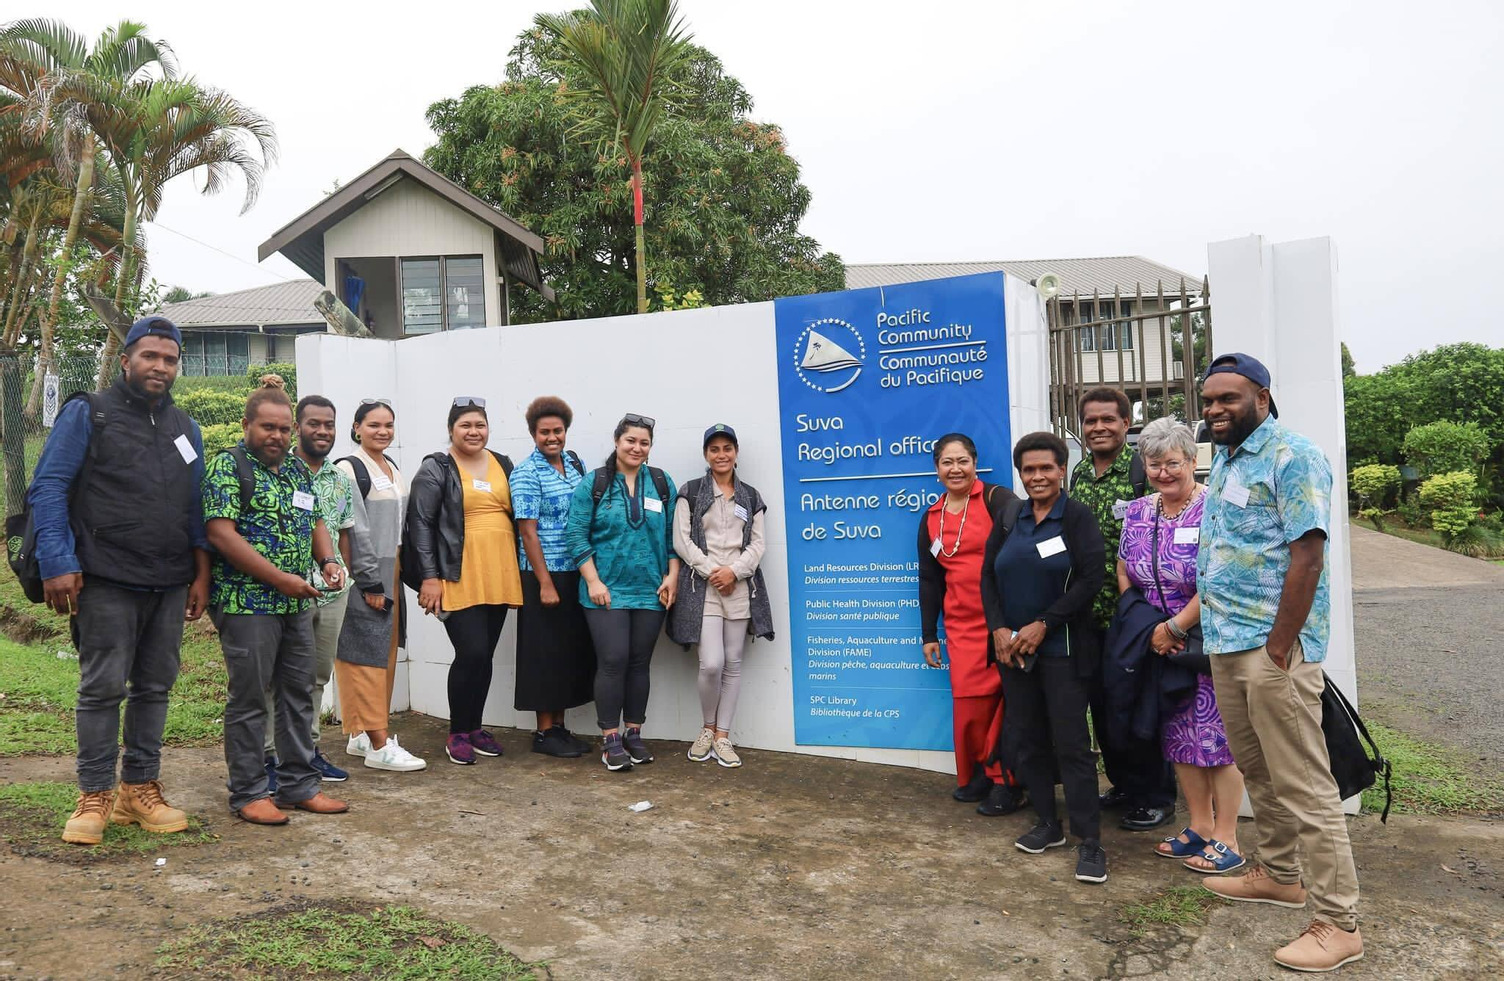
484, 743
459, 750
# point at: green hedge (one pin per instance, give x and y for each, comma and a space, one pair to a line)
221, 437
210, 407
286, 369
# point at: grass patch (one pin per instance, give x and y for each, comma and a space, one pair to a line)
38, 689
32, 817
1429, 779
345, 940
1176, 906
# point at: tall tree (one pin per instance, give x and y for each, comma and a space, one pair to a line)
724, 193
626, 52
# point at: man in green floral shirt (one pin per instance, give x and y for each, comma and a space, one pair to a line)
261, 516
1106, 480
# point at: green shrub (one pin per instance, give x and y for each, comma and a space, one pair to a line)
1446, 447
221, 437
1410, 511
210, 407
1452, 500
1478, 541
286, 369
1372, 483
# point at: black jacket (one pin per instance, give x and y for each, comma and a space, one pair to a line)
932, 573
1083, 540
1143, 688
436, 518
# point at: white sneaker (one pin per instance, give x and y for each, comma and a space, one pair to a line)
724, 754
393, 757
359, 745
700, 751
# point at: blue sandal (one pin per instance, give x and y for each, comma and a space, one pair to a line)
1182, 849
1222, 858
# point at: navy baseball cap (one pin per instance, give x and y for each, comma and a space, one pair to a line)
154, 327
1246, 365
720, 429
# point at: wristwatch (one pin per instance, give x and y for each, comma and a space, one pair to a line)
324, 562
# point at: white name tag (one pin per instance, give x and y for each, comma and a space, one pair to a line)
1120, 510
1051, 546
935, 548
381, 482
740, 512
653, 504
1235, 494
303, 500
484, 486
185, 448
1187, 536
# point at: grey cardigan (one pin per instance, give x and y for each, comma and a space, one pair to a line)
689, 604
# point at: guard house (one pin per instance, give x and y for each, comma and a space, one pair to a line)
411, 252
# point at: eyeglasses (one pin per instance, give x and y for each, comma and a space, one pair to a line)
468, 401
1171, 467
633, 419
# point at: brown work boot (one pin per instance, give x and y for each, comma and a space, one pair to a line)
319, 803
261, 811
86, 826
143, 804
1257, 887
1322, 947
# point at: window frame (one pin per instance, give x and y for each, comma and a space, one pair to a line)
443, 290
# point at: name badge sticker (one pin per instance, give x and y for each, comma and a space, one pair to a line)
653, 504
1119, 510
935, 548
185, 448
1235, 493
302, 500
1187, 536
380, 481
484, 486
740, 512
1051, 546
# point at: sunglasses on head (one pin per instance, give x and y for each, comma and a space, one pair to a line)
469, 401
384, 403
633, 419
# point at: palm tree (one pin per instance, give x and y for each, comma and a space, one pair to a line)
626, 50
60, 79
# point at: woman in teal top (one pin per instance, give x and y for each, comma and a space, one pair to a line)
621, 537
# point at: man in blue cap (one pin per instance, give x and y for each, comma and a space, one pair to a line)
122, 550
1264, 616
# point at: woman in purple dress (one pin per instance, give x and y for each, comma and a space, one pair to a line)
1157, 555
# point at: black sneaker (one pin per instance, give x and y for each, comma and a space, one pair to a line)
582, 745
636, 748
978, 789
1002, 800
615, 755
1042, 836
1116, 800
554, 742
1091, 863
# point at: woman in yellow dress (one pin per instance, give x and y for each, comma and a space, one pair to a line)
462, 532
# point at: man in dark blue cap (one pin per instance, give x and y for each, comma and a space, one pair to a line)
1261, 572
122, 550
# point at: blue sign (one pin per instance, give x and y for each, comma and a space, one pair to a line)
867, 379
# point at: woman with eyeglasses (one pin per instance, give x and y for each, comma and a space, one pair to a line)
1157, 556
460, 521
555, 658
621, 537
365, 667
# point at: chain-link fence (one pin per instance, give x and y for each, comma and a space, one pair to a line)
29, 404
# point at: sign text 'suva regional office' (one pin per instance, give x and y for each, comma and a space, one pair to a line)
867, 379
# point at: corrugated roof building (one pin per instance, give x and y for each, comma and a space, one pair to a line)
1103, 274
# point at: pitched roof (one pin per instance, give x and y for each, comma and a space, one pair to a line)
302, 239
281, 305
1103, 274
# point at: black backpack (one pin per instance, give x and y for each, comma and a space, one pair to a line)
1354, 769
602, 482
412, 574
363, 475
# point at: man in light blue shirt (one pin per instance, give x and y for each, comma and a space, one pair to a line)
1265, 610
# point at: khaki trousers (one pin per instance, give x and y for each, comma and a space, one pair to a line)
1273, 722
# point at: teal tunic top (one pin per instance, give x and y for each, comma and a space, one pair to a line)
630, 537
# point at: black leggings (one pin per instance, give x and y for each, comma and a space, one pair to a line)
624, 641
474, 631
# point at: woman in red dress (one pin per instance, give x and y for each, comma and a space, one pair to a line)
952, 536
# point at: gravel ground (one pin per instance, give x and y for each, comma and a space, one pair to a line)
1429, 625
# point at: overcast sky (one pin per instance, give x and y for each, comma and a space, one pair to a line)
952, 131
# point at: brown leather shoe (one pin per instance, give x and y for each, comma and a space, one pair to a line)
1257, 886
319, 803
86, 826
261, 811
1322, 947
144, 805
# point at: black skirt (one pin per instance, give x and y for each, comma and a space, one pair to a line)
555, 657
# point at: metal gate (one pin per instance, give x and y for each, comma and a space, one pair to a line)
1153, 346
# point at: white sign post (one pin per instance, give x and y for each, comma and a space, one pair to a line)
49, 399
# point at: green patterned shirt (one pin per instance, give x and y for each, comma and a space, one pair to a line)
1101, 495
337, 507
275, 525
